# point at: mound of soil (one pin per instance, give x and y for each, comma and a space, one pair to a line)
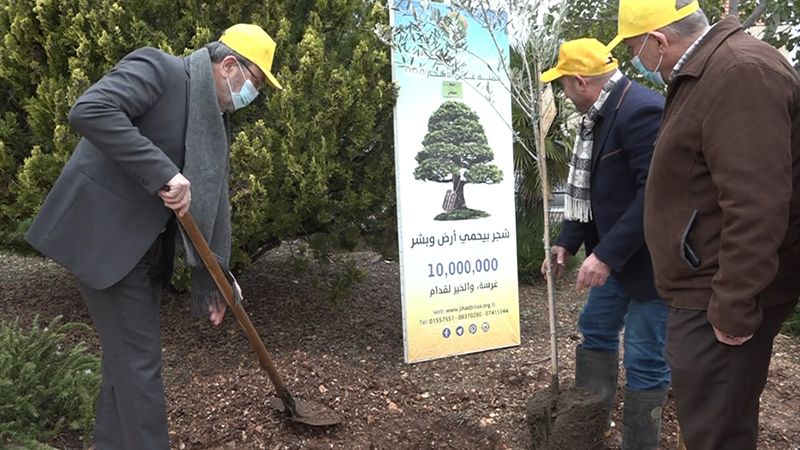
571, 419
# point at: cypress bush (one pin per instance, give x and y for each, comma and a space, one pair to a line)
46, 386
315, 158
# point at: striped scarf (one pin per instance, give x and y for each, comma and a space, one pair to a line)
577, 204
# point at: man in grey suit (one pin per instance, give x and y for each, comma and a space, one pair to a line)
155, 142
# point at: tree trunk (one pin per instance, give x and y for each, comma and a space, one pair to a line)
761, 7
756, 14
458, 188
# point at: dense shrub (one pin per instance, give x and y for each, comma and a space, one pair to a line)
46, 385
314, 158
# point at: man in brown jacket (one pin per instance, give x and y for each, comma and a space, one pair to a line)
722, 209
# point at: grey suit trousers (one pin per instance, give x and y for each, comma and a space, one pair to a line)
131, 410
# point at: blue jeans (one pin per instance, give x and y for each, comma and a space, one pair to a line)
608, 309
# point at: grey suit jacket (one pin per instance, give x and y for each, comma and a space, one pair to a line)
103, 212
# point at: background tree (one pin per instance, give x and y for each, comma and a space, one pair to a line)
455, 150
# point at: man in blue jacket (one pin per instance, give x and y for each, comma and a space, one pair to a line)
604, 208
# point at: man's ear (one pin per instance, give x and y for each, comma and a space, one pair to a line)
227, 66
662, 40
581, 83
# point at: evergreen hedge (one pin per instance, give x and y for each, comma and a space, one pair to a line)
314, 159
46, 385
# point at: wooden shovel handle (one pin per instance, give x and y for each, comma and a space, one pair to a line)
211, 263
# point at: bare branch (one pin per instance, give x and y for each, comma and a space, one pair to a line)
756, 14
486, 96
506, 65
733, 8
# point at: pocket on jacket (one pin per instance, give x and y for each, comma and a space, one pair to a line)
688, 253
86, 239
610, 154
56, 210
85, 220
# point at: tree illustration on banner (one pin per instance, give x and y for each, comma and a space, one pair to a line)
455, 150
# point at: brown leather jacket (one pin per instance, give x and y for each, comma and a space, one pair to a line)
722, 208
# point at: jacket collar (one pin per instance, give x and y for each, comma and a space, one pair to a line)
697, 62
609, 114
614, 99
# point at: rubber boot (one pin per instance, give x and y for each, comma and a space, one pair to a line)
641, 419
596, 372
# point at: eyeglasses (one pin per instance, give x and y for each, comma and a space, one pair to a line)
256, 78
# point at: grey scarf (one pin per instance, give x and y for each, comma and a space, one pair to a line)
206, 167
577, 204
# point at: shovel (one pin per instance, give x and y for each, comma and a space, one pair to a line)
306, 412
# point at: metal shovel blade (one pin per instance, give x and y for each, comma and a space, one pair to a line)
298, 410
309, 413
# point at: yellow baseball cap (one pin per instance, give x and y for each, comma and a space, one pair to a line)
255, 44
642, 16
585, 57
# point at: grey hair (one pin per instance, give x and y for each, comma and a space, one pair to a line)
219, 51
602, 78
689, 25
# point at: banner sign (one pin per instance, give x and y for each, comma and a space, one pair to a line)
455, 181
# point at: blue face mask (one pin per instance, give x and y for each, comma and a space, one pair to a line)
654, 76
246, 94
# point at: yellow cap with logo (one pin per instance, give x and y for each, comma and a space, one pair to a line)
637, 17
585, 57
252, 42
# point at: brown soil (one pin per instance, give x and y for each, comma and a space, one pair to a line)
572, 419
349, 356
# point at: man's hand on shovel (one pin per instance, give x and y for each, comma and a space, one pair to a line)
177, 194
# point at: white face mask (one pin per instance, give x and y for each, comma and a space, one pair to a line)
246, 94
